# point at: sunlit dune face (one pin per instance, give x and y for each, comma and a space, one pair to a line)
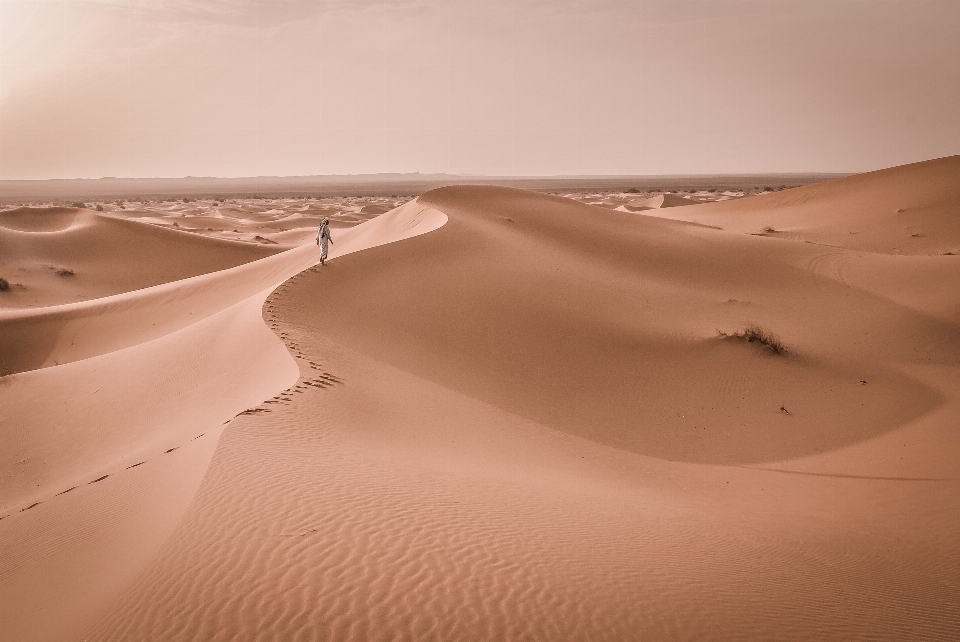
491, 414
42, 249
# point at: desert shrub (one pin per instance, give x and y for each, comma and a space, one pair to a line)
99, 207
769, 230
4, 284
78, 204
756, 334
64, 272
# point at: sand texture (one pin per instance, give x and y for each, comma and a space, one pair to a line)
493, 415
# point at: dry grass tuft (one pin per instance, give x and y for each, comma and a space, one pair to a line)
756, 334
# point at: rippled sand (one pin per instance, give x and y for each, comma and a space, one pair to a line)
496, 414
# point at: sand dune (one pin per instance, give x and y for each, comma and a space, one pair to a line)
98, 256
660, 201
98, 392
510, 416
910, 209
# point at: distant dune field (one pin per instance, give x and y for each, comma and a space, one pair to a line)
494, 414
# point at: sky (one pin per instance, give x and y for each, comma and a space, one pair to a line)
168, 88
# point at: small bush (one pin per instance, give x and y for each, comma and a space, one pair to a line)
99, 207
78, 204
769, 230
4, 285
64, 272
756, 334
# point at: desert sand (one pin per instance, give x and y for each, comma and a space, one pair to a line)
494, 414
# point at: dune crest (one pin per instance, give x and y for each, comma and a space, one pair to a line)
41, 219
910, 210
525, 425
542, 420
98, 394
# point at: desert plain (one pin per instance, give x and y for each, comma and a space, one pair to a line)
494, 414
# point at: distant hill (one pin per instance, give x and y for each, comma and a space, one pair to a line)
16, 191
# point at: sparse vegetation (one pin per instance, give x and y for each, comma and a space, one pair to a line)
99, 207
769, 230
64, 272
78, 204
756, 334
4, 285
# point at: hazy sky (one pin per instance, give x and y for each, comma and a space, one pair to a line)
92, 88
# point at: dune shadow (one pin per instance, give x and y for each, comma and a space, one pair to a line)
584, 329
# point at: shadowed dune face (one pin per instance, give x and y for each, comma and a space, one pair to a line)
38, 219
424, 478
64, 255
603, 324
110, 411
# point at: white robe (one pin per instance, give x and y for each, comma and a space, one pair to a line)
323, 237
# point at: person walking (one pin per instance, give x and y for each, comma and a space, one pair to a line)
323, 237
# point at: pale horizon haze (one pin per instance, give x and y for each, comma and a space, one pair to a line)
169, 88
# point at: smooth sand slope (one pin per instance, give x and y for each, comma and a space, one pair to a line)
911, 209
110, 411
64, 255
535, 421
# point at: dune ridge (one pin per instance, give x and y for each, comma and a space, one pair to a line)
539, 421
474, 473
104, 389
97, 255
911, 210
